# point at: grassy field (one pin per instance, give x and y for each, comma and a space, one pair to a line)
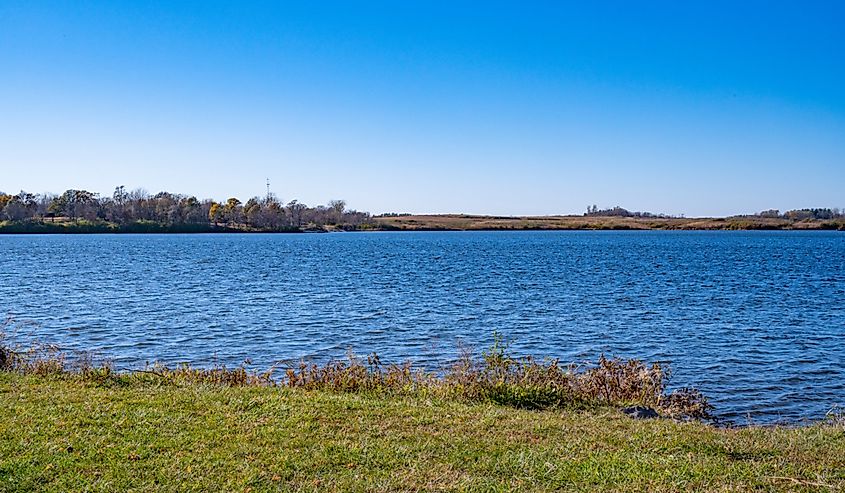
444, 222
66, 433
467, 222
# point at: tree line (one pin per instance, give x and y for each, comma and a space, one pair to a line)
126, 207
802, 214
793, 215
594, 211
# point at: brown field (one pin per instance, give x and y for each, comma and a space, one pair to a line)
460, 222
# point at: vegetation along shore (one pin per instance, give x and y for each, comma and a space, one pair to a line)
136, 211
489, 423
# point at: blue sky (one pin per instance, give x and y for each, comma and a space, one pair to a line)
710, 108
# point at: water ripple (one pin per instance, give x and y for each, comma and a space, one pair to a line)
755, 319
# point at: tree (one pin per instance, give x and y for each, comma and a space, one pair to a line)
252, 211
336, 208
4, 200
20, 207
272, 215
296, 210
771, 213
232, 211
116, 210
165, 208
191, 210
44, 201
76, 204
215, 214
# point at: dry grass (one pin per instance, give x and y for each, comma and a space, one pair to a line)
517, 382
494, 377
459, 222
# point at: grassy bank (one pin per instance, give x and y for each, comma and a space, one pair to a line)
494, 423
63, 432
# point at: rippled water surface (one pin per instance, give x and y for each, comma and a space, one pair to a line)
755, 319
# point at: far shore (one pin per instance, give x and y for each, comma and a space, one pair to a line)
439, 222
464, 222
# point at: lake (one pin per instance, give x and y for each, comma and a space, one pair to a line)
756, 320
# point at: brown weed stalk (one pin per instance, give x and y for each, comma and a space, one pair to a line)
497, 376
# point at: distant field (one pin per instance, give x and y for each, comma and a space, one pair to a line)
468, 222
438, 222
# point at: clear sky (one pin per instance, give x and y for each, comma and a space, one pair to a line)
701, 108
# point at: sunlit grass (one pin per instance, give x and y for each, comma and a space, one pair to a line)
63, 432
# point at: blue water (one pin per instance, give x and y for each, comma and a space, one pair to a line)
754, 319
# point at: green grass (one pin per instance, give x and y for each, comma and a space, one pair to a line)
63, 432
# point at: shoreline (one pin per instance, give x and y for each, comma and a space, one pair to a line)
436, 224
493, 375
461, 222
497, 422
